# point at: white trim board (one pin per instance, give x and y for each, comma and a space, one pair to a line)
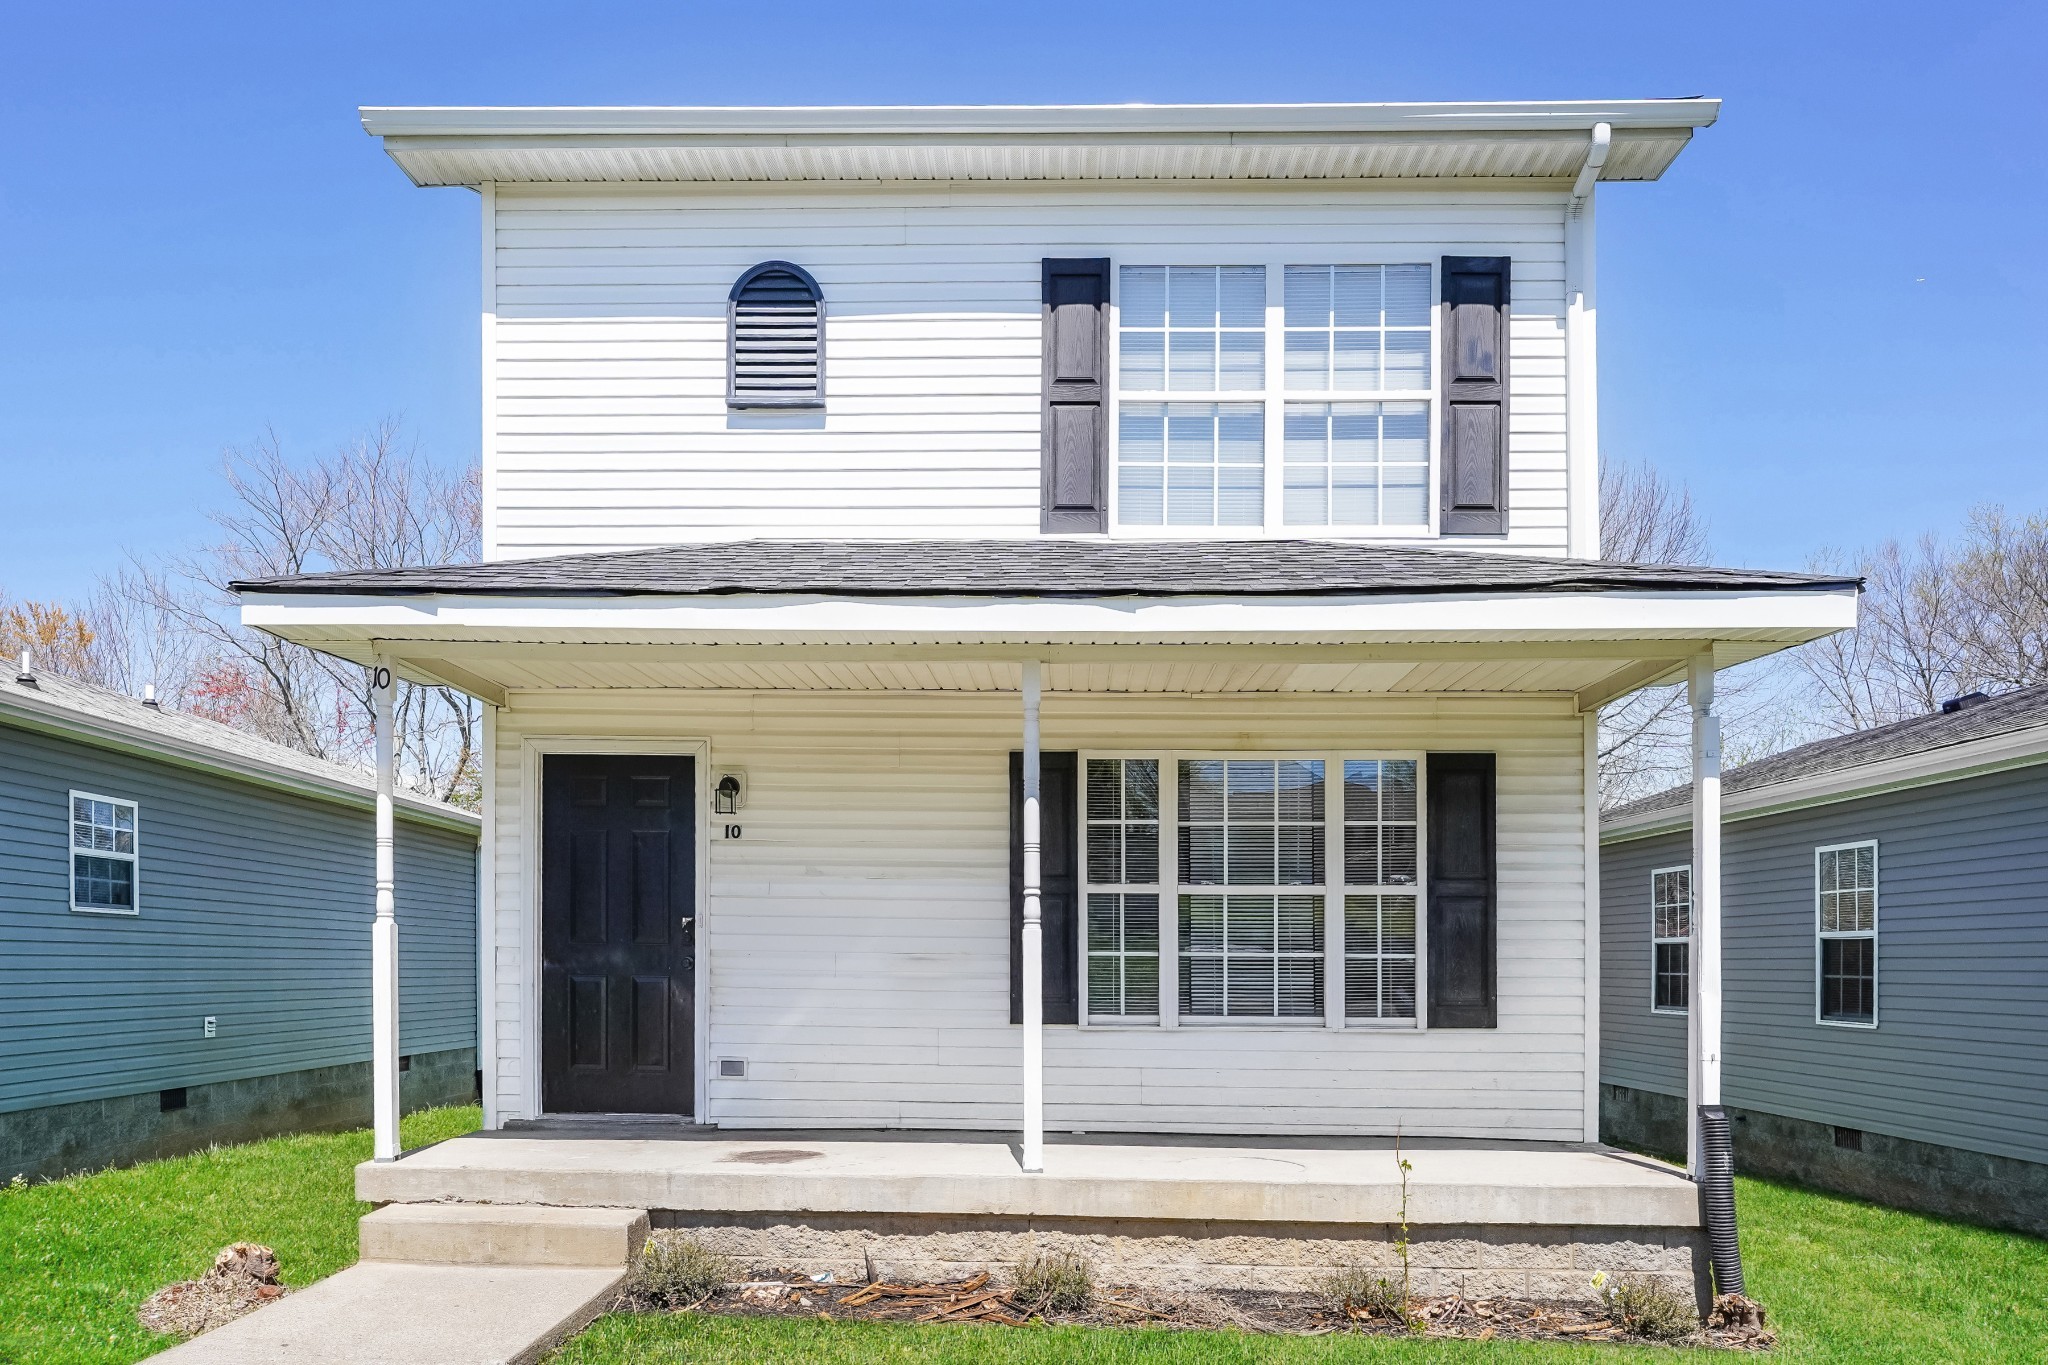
1977, 758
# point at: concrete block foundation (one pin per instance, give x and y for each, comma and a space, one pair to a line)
1522, 1261
62, 1139
1925, 1177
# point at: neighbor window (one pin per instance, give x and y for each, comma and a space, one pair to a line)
103, 856
1670, 939
1845, 894
1204, 383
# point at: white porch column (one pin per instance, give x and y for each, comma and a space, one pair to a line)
1032, 946
384, 932
1703, 1015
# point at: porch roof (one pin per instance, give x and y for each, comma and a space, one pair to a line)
1117, 616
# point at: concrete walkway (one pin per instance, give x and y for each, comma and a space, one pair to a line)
396, 1313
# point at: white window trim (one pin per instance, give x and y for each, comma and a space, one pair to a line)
71, 852
1275, 395
1332, 889
1820, 935
1656, 941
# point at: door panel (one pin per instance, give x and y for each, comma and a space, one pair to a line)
618, 960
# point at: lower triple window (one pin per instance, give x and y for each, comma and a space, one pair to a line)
1845, 896
1277, 889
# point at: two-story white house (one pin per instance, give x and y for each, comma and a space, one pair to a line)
1034, 619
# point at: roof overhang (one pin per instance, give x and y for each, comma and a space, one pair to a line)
1521, 140
1590, 646
1976, 758
105, 732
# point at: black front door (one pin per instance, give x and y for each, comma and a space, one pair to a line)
618, 893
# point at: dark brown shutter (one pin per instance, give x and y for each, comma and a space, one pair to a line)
1462, 899
1059, 875
1475, 389
1074, 416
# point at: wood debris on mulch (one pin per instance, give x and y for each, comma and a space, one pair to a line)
789, 1293
242, 1278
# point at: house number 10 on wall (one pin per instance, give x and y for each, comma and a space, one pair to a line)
732, 831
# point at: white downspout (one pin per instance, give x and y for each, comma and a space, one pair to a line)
384, 931
1582, 406
1032, 945
1703, 1013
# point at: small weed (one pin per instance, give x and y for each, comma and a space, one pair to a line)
1062, 1281
1649, 1309
1356, 1290
676, 1272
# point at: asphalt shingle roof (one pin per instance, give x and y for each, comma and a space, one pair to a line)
57, 697
2021, 709
1037, 568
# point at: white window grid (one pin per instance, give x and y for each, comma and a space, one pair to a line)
1329, 889
1121, 849
1670, 927
1844, 909
104, 848
1381, 863
1272, 400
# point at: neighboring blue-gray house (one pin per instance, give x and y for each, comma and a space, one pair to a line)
184, 934
1885, 913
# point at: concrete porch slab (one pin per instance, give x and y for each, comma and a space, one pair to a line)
393, 1313
1153, 1178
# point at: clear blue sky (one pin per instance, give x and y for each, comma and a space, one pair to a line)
1829, 318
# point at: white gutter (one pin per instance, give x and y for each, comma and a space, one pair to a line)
1083, 119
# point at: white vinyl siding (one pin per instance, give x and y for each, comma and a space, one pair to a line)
1845, 920
608, 425
105, 854
1670, 940
856, 935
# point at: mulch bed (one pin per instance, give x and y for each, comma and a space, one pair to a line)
979, 1299
242, 1279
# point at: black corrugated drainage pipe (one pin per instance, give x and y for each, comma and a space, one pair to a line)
1717, 1199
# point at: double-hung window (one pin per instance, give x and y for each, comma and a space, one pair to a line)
1845, 909
103, 854
1670, 939
1252, 889
1275, 397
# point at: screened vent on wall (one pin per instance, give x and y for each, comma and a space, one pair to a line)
776, 339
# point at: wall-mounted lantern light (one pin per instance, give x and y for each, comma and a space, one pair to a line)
729, 793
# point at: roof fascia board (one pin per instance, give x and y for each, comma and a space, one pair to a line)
1086, 122
1788, 615
1996, 753
113, 735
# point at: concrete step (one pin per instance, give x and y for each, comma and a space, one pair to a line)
385, 1313
504, 1234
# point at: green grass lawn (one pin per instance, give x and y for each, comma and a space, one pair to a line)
1846, 1283
77, 1256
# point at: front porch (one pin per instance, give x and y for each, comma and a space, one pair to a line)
1523, 1219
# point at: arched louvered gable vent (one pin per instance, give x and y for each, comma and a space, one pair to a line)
776, 339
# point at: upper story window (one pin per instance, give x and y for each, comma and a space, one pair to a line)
1670, 939
1214, 426
1845, 906
775, 339
103, 853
